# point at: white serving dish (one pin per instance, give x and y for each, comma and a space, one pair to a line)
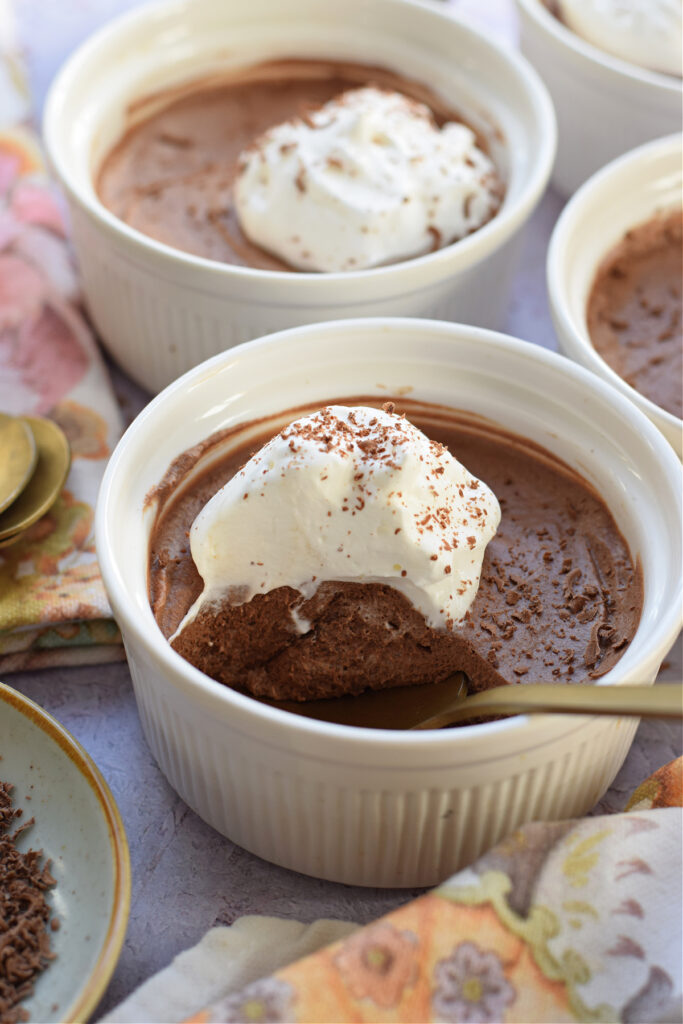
626, 193
605, 106
356, 805
79, 829
159, 310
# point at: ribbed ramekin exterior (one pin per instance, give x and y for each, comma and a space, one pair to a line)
400, 831
157, 328
386, 808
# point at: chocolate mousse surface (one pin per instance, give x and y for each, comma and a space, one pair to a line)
635, 310
172, 173
559, 597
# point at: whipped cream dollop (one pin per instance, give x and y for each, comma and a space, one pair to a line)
366, 179
644, 32
348, 494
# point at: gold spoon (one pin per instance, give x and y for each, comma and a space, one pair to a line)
18, 456
435, 705
41, 491
659, 701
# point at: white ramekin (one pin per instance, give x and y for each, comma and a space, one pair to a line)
161, 311
356, 805
626, 193
605, 106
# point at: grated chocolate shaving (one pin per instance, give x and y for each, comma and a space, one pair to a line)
24, 914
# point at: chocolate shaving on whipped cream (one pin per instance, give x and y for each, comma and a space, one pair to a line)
348, 494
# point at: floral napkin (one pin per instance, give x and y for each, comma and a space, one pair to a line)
53, 609
565, 921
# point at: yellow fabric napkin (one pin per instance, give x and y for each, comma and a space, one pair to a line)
53, 609
565, 921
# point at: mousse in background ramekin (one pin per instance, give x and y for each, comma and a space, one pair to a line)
628, 192
160, 311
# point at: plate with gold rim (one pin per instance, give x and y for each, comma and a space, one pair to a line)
79, 829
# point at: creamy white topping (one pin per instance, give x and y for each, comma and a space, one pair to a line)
644, 32
366, 179
348, 494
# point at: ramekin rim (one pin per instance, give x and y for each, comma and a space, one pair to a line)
556, 263
542, 17
475, 246
183, 675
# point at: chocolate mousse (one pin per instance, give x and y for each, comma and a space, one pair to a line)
172, 176
635, 307
559, 597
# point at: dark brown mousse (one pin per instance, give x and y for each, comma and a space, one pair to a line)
24, 914
559, 597
635, 310
171, 175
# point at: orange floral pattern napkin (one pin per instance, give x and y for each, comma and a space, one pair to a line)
53, 609
565, 921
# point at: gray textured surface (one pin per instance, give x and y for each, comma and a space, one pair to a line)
186, 877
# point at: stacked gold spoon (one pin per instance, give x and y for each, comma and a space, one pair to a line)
34, 462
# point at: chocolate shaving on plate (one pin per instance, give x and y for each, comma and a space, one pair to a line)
24, 913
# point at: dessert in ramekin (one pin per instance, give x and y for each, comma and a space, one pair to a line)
160, 310
605, 104
367, 806
294, 165
365, 548
622, 208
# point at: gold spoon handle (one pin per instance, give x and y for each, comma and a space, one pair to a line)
662, 701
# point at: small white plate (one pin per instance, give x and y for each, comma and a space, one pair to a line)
79, 828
